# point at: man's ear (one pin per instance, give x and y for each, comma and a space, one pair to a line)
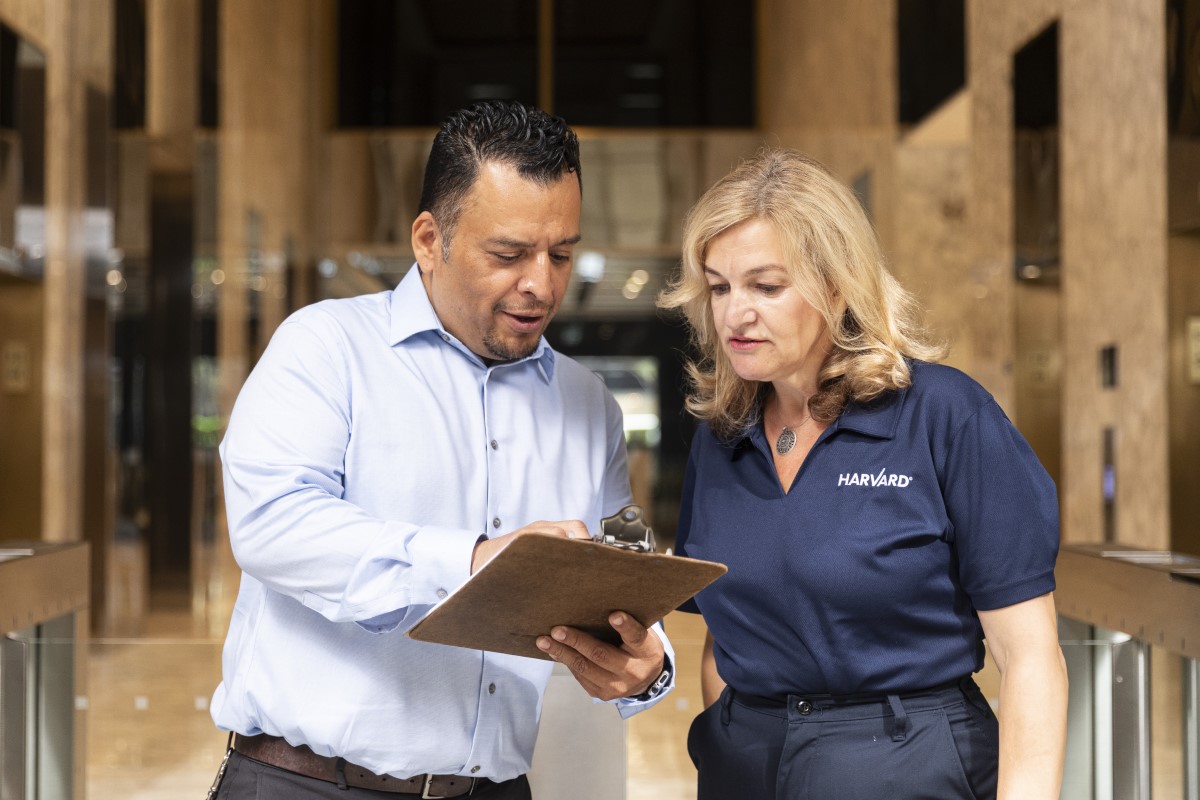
426, 241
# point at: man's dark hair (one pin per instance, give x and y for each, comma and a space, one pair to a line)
539, 146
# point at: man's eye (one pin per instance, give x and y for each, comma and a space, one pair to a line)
561, 258
506, 258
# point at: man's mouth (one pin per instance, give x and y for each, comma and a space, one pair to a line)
525, 321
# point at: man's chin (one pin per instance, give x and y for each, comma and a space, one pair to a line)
512, 348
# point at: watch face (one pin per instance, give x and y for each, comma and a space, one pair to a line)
656, 688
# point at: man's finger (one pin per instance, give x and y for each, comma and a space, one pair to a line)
597, 682
598, 659
633, 634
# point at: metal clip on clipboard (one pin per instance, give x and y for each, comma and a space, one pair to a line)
627, 530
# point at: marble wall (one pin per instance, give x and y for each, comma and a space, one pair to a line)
944, 210
1113, 191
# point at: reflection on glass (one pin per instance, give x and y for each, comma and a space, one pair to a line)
633, 381
654, 62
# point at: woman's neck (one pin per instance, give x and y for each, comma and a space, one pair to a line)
790, 403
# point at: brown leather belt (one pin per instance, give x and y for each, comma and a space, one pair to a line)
303, 761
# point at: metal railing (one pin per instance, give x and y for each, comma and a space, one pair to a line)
43, 632
1117, 605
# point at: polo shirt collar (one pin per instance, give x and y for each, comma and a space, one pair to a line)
412, 314
878, 419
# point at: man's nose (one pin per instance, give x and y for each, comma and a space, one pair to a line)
535, 280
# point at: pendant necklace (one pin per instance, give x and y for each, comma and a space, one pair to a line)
786, 441
787, 437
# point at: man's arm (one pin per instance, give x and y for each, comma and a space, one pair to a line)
290, 527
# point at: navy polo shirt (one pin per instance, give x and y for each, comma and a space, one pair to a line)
906, 516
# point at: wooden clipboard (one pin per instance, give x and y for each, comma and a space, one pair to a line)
540, 581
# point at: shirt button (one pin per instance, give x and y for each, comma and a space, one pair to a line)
445, 337
804, 707
495, 445
491, 688
441, 593
496, 522
474, 769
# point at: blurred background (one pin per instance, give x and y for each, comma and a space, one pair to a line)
177, 176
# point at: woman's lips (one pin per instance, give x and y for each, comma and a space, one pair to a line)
743, 345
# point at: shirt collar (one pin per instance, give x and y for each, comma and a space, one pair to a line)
412, 314
878, 419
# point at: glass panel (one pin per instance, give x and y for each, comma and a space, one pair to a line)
37, 711
931, 44
413, 62
1167, 724
654, 62
1115, 715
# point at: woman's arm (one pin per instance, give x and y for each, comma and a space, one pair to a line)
711, 684
1023, 640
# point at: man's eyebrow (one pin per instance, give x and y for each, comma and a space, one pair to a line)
501, 241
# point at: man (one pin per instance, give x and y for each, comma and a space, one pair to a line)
384, 448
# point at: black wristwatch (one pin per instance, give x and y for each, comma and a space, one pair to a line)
660, 683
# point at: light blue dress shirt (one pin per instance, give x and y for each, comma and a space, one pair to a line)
367, 453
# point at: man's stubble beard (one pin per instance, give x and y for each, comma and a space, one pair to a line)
499, 350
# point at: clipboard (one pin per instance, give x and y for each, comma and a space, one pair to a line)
540, 581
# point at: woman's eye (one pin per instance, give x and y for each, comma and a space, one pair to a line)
718, 288
769, 288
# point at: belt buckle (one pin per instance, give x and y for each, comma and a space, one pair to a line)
425, 795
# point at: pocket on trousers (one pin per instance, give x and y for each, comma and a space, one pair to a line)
233, 786
975, 735
696, 732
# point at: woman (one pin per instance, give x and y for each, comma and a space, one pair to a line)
879, 514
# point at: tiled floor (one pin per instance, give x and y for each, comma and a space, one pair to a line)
150, 737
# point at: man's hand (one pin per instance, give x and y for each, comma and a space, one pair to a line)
487, 549
604, 670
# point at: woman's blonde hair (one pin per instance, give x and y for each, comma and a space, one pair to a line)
834, 260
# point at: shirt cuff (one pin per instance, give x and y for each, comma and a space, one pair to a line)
628, 706
441, 561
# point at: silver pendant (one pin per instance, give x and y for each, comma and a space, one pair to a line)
785, 442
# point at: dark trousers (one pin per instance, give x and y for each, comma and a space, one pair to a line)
942, 745
247, 779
